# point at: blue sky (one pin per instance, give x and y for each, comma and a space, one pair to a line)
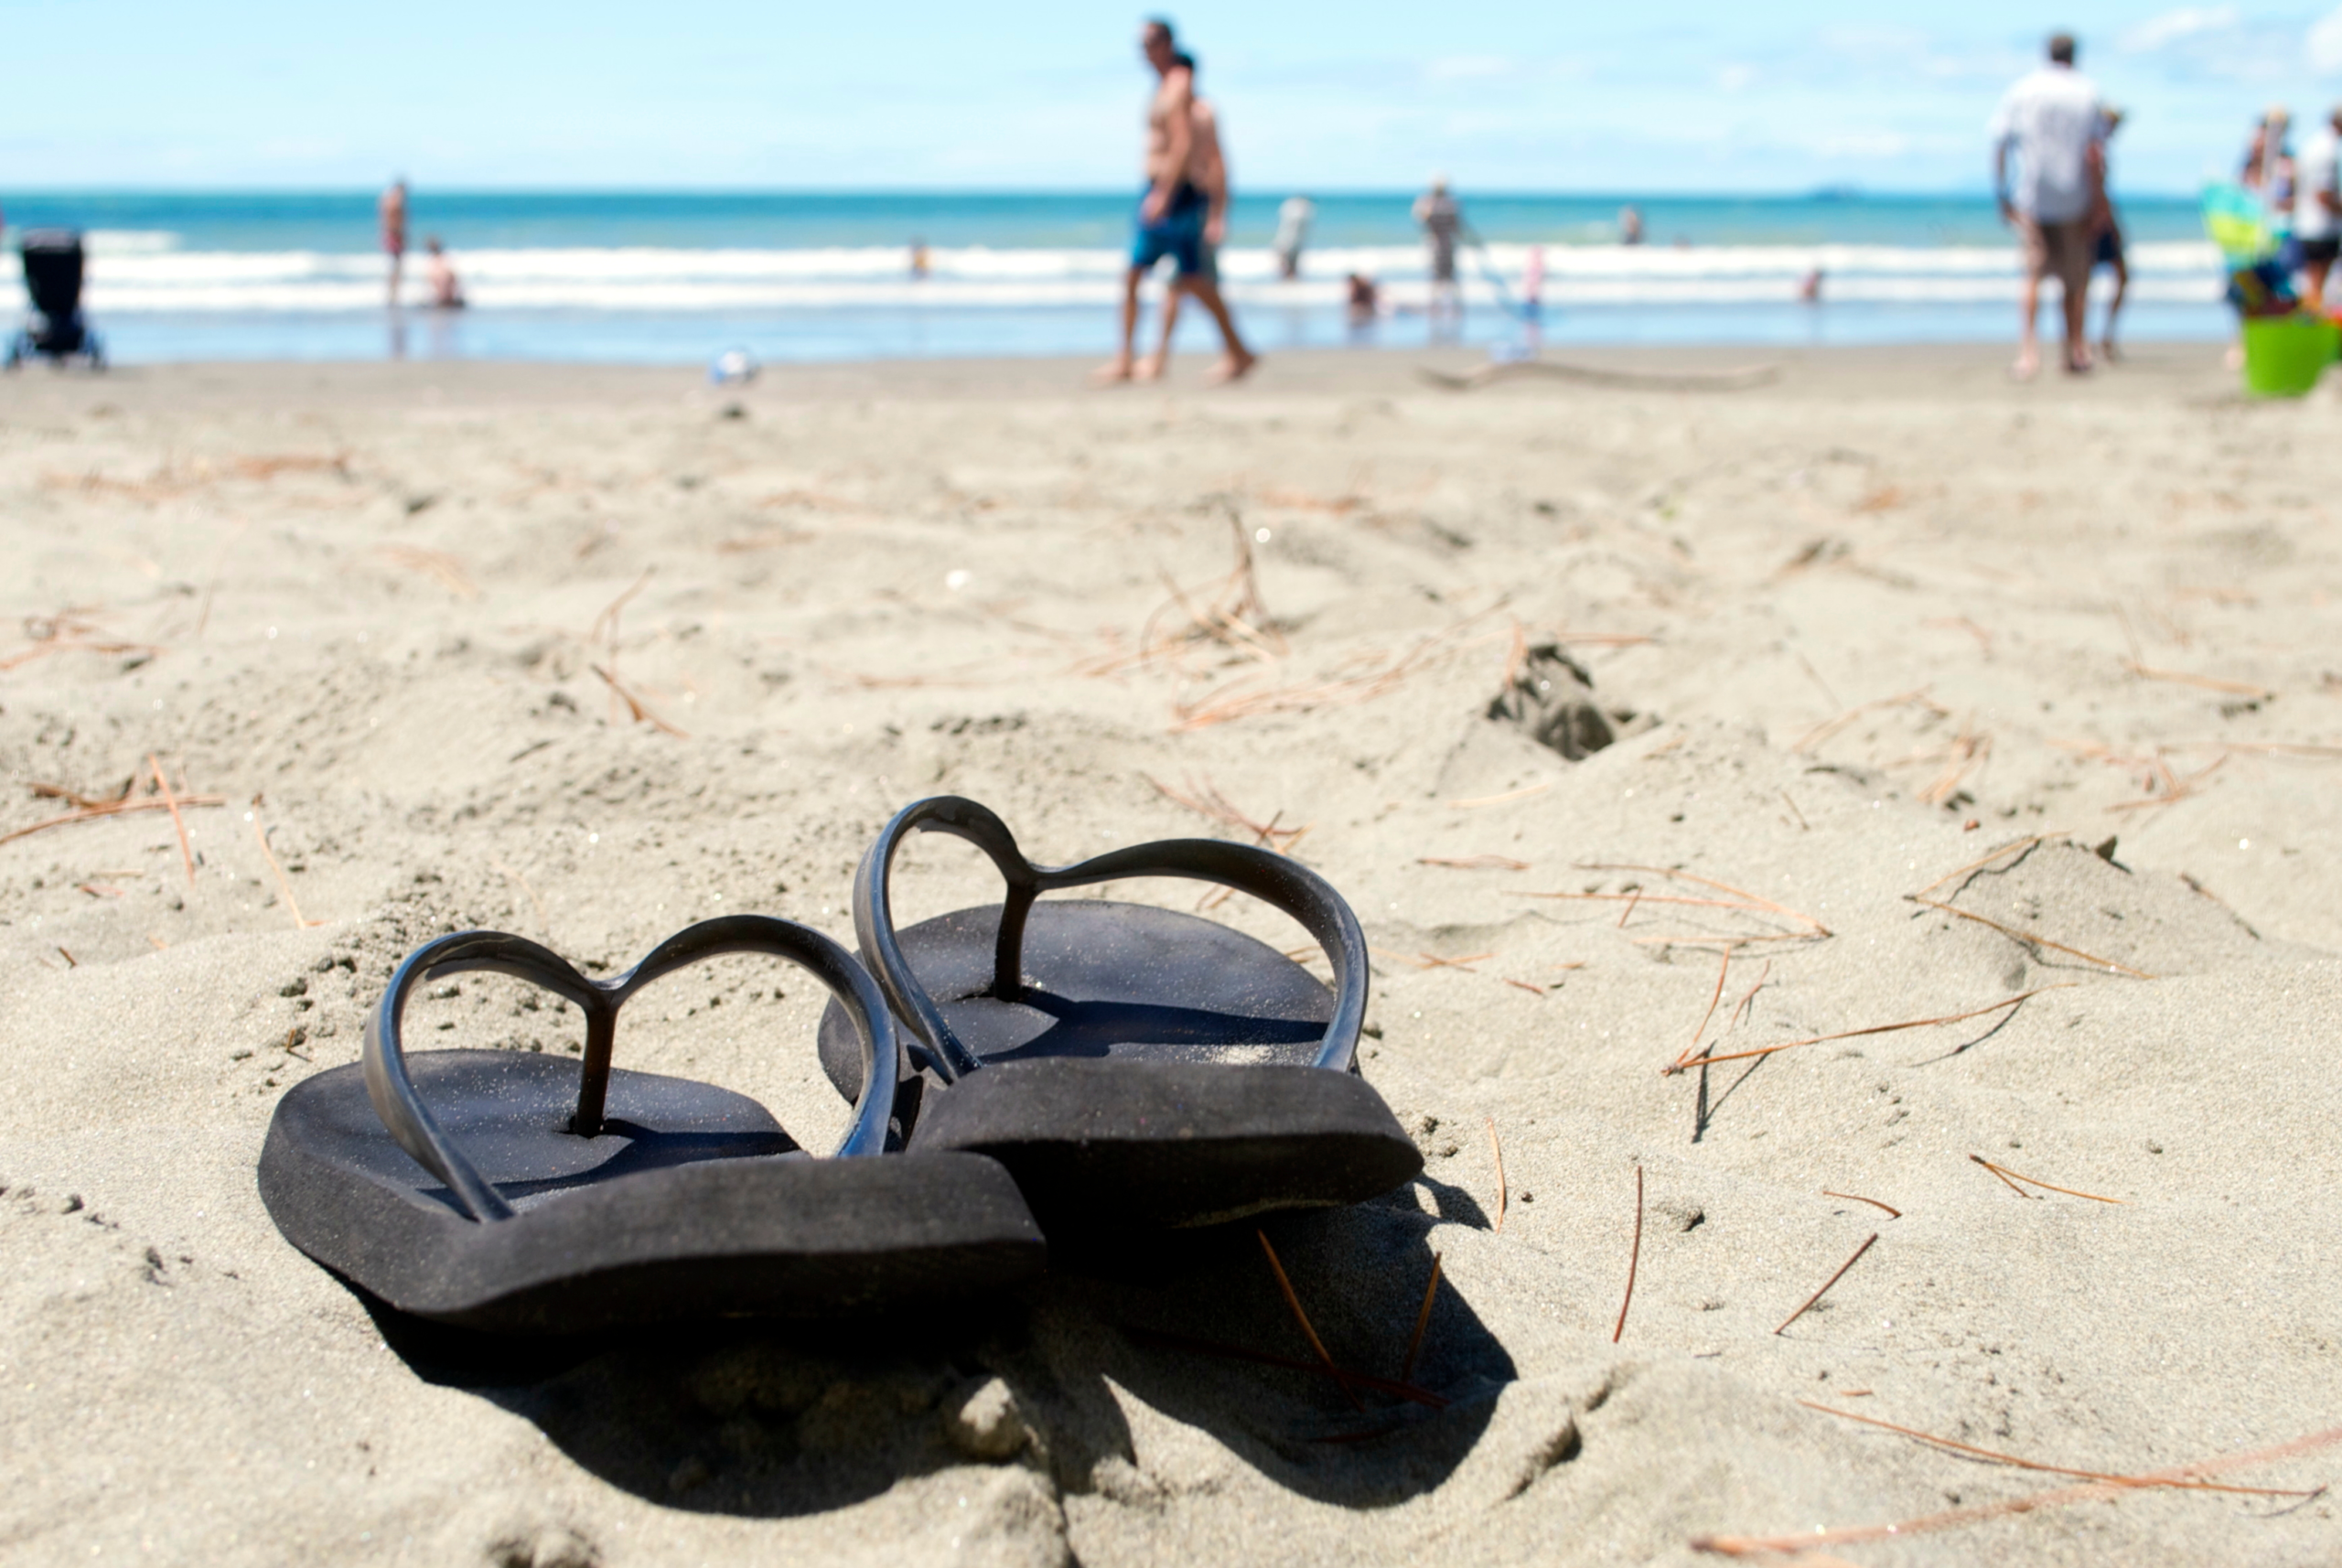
915, 93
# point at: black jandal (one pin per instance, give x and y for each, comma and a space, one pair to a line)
1131, 1066
538, 1193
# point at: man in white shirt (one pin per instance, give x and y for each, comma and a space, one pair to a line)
2318, 204
2052, 120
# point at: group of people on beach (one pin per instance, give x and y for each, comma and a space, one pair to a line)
2054, 127
2300, 194
446, 289
1183, 218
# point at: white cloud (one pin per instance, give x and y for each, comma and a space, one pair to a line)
2175, 26
2325, 43
1736, 78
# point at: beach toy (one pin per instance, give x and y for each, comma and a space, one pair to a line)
2237, 220
529, 1192
734, 367
1131, 1066
2263, 289
2284, 355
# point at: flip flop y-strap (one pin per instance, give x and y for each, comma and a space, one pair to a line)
1275, 879
391, 1087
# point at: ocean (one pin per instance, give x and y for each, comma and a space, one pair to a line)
677, 278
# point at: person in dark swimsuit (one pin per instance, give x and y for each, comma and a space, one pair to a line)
2108, 251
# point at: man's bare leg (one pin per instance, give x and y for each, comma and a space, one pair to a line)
1239, 358
1118, 369
1158, 365
2315, 297
2075, 298
2028, 340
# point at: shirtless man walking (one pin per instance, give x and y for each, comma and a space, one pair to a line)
1175, 211
1208, 167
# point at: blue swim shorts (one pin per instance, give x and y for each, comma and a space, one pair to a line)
1178, 233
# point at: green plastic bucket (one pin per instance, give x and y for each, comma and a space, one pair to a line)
2284, 354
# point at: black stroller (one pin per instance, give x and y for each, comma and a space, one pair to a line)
54, 328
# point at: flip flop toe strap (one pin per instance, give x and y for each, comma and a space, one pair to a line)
391, 1087
1275, 879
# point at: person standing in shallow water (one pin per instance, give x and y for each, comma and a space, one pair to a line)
392, 209
1292, 232
1440, 220
1175, 210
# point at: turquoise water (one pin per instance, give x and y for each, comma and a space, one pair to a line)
673, 277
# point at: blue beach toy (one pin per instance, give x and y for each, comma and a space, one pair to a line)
734, 367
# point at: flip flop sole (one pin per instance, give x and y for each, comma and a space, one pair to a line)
692, 1202
1101, 1145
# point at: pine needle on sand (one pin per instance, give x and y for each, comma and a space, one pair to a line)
1999, 1458
1804, 1543
1634, 1260
1671, 1069
2010, 1179
1809, 1302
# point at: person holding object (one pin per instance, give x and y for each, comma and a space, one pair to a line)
1440, 220
2052, 120
1175, 211
2318, 206
1293, 232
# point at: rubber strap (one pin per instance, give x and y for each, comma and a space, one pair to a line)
1275, 879
391, 1089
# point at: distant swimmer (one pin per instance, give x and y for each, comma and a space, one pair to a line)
1440, 220
2052, 120
1808, 287
1365, 300
918, 258
1293, 219
1630, 226
1175, 210
447, 290
392, 209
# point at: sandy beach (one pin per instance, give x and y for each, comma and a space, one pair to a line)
1638, 723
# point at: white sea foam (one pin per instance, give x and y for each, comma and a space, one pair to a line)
144, 272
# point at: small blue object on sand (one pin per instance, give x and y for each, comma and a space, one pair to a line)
734, 367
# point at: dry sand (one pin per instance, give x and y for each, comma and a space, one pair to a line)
1870, 624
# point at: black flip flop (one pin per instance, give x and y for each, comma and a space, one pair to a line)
1131, 1066
528, 1193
